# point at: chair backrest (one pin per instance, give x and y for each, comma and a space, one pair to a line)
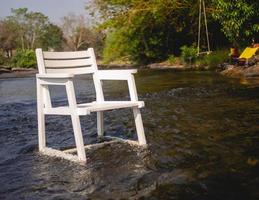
74, 62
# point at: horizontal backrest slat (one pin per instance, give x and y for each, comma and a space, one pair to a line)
72, 62
68, 63
66, 55
76, 71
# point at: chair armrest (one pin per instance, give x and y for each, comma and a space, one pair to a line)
126, 75
54, 76
123, 74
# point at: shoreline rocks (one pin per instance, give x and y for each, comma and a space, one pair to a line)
241, 71
165, 66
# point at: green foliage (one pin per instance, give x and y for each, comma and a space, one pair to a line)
213, 59
147, 31
115, 46
24, 59
28, 30
172, 59
239, 19
188, 54
52, 38
29, 26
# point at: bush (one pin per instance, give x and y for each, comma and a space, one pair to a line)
173, 60
188, 54
24, 59
115, 47
214, 59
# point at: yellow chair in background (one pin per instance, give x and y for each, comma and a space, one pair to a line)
247, 54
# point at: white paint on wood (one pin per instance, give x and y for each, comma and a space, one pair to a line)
51, 76
53, 81
60, 154
87, 108
75, 120
139, 126
68, 63
132, 89
109, 105
41, 117
66, 55
40, 61
75, 71
115, 74
100, 123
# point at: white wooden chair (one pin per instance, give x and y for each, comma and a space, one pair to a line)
60, 68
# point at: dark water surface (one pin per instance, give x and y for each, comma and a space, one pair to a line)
202, 130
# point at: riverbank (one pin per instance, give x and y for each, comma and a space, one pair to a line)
241, 71
24, 72
230, 70
17, 72
6, 72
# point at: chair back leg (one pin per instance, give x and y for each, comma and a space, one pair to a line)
139, 126
100, 125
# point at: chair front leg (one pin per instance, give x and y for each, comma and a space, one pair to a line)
78, 137
139, 126
136, 111
41, 117
75, 121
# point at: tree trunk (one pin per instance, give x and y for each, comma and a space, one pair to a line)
33, 40
22, 40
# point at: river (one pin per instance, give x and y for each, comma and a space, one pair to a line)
202, 130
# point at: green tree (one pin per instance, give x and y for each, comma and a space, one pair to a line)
239, 19
37, 25
146, 31
30, 26
52, 38
17, 22
33, 29
7, 38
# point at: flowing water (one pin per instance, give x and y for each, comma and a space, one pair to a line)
202, 130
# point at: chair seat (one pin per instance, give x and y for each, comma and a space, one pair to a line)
87, 108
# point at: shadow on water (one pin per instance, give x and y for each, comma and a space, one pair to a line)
202, 131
